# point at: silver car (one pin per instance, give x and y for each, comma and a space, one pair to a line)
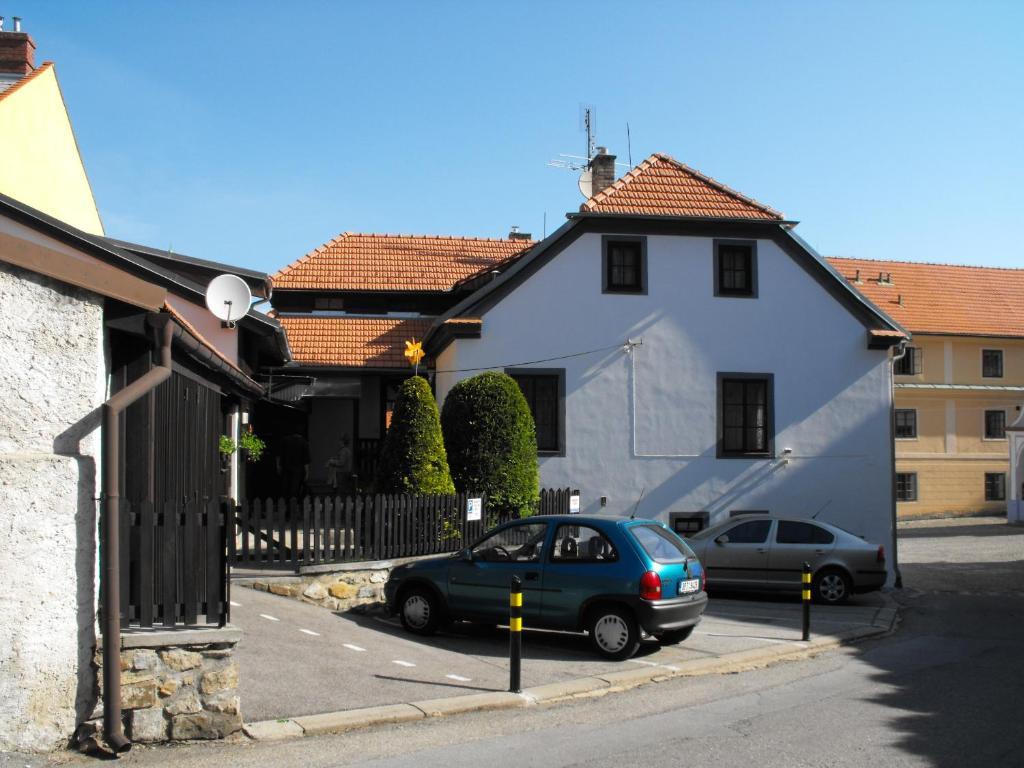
767, 553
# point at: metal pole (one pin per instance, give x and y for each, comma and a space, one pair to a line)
806, 579
515, 634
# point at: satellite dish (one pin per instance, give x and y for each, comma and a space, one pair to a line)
228, 297
587, 184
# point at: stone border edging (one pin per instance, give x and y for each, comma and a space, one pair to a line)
594, 685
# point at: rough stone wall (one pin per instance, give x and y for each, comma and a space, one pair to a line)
52, 372
179, 692
337, 591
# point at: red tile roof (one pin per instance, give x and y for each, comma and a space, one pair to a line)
366, 262
662, 186
942, 298
372, 342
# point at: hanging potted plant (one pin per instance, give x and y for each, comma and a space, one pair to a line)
251, 444
226, 447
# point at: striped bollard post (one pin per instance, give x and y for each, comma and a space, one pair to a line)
515, 634
806, 578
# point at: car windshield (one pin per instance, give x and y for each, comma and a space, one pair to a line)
660, 544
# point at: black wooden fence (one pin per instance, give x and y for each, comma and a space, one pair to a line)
173, 564
316, 530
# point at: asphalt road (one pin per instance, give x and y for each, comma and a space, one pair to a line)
944, 691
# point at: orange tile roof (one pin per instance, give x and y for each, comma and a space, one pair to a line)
662, 186
367, 262
373, 342
25, 80
942, 298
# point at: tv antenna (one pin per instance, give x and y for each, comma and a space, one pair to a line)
228, 297
588, 125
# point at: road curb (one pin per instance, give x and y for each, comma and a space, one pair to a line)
596, 685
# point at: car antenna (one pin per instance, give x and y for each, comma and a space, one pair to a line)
820, 509
637, 505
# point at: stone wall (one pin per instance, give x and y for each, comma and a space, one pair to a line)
53, 375
339, 588
174, 690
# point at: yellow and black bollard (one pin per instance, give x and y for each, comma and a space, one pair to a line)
515, 634
807, 600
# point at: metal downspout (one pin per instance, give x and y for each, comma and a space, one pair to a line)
892, 443
112, 409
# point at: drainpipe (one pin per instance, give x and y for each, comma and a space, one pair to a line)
112, 410
892, 444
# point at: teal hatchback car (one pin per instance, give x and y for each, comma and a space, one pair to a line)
614, 578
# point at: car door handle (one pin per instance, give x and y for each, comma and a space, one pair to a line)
532, 575
819, 551
762, 550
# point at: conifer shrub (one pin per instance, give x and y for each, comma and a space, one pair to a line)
412, 458
492, 443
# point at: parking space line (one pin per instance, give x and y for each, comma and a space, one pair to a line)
309, 632
653, 664
353, 647
268, 617
401, 663
460, 678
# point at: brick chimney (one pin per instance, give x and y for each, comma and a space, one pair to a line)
17, 50
602, 170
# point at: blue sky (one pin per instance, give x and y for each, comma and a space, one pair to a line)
252, 132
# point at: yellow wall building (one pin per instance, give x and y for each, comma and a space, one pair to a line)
960, 383
41, 165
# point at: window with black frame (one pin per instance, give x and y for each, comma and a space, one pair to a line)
995, 486
909, 364
906, 486
735, 269
992, 363
624, 265
543, 393
745, 416
995, 425
906, 423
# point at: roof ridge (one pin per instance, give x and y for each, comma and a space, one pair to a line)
604, 194
26, 79
289, 267
719, 185
923, 263
471, 238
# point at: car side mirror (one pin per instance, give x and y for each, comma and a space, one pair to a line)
723, 539
466, 555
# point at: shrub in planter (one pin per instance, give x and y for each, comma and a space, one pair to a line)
492, 442
412, 458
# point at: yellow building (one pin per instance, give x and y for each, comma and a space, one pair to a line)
41, 165
959, 384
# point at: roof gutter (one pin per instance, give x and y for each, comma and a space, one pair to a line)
112, 410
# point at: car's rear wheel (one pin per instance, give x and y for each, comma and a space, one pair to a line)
831, 586
419, 611
674, 636
614, 633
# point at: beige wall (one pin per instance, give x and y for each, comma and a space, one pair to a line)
41, 165
951, 454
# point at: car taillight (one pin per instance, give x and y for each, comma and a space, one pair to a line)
880, 557
650, 586
703, 581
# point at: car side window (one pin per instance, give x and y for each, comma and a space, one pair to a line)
791, 532
753, 532
582, 544
515, 544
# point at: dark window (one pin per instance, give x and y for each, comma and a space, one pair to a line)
744, 418
735, 268
663, 546
582, 544
544, 390
688, 523
992, 363
517, 543
995, 486
906, 486
625, 265
906, 423
909, 364
754, 532
995, 425
802, 533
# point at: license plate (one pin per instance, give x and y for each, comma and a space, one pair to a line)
689, 586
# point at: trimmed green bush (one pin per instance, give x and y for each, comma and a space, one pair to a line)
492, 442
412, 459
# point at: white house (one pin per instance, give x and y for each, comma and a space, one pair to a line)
676, 339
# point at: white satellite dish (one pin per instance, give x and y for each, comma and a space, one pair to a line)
228, 297
587, 183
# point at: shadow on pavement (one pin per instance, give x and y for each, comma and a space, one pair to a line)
950, 531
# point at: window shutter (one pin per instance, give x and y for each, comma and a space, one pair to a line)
918, 355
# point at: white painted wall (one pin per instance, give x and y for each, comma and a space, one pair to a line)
53, 373
649, 421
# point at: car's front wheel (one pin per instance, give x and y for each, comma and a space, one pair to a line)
674, 636
419, 611
614, 633
831, 586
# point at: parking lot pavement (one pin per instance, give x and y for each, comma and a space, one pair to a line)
299, 659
